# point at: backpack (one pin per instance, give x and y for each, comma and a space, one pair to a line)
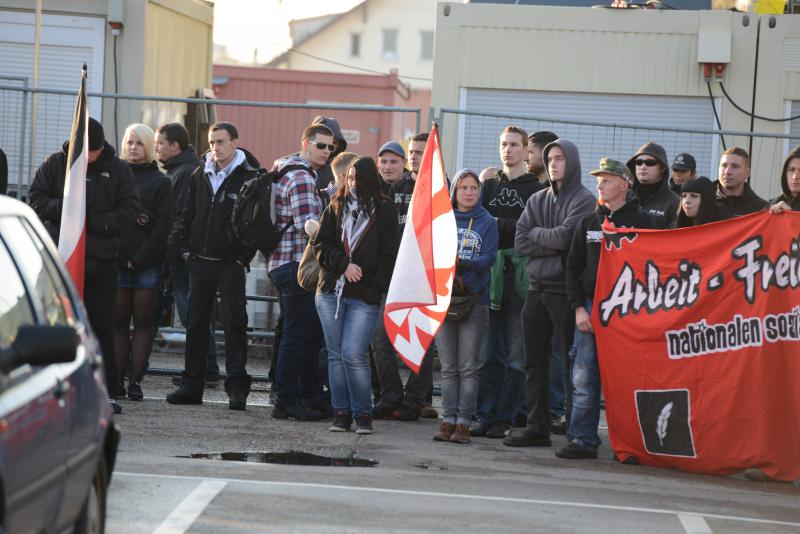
253, 215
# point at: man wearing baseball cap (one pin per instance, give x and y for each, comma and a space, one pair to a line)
392, 162
112, 201
613, 182
684, 168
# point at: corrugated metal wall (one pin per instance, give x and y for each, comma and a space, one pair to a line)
606, 52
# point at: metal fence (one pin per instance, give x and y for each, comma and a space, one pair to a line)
479, 131
269, 129
27, 146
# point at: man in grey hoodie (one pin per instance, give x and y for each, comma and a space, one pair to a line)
544, 234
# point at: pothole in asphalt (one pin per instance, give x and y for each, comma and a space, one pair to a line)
286, 458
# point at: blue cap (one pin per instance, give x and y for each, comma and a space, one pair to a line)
394, 147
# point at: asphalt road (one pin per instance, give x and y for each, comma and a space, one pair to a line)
418, 485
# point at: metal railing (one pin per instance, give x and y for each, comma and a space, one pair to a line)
479, 130
55, 108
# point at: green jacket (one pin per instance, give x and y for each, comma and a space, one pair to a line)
520, 277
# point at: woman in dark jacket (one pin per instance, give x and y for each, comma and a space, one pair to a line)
356, 248
141, 257
698, 203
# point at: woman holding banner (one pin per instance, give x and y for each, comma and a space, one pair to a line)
460, 337
356, 248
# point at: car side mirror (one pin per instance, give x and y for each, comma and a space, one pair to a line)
40, 345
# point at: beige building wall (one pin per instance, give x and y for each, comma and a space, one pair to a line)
178, 48
637, 52
409, 18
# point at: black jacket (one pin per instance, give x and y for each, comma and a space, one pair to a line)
505, 199
180, 169
657, 199
400, 193
747, 202
375, 254
112, 199
786, 196
584, 253
144, 238
203, 228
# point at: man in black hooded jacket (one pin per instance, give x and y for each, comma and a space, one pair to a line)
789, 200
650, 170
112, 201
216, 259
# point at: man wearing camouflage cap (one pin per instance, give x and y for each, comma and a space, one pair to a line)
613, 182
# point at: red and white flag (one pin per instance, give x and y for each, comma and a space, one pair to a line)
72, 236
419, 293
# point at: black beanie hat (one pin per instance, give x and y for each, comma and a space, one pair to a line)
709, 212
97, 139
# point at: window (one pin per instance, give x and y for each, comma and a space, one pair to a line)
40, 271
15, 308
355, 44
426, 48
389, 50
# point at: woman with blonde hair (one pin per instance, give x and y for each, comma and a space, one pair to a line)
141, 256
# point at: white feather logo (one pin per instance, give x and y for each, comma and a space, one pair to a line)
661, 424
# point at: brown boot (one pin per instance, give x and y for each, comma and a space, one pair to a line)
460, 434
427, 411
444, 432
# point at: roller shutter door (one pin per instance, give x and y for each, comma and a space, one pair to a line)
478, 135
66, 43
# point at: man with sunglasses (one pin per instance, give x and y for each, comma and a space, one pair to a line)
650, 171
299, 392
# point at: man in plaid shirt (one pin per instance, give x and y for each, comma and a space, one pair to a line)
296, 201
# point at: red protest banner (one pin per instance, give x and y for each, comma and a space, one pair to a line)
698, 340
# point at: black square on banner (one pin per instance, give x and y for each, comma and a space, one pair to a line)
664, 421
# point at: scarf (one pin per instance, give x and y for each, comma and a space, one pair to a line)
355, 222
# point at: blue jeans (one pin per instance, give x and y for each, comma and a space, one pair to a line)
179, 275
586, 393
347, 336
502, 372
296, 374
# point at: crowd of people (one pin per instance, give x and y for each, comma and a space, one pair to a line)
517, 352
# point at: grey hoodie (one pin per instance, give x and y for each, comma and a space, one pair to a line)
545, 229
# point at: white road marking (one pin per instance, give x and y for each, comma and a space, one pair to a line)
694, 524
367, 489
207, 401
190, 508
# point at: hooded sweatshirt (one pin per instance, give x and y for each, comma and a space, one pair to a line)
112, 199
793, 201
709, 211
505, 199
545, 229
325, 173
657, 199
735, 206
477, 242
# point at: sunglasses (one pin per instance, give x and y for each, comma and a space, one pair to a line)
647, 162
322, 146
